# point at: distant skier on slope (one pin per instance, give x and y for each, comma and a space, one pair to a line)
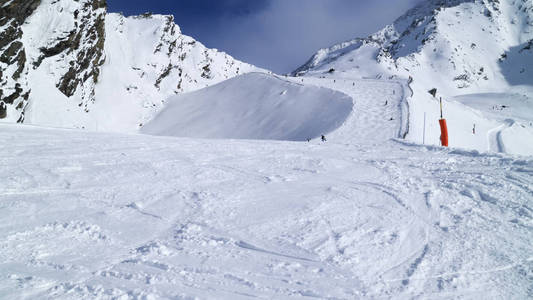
323, 138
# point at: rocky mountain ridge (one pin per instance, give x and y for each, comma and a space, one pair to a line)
71, 64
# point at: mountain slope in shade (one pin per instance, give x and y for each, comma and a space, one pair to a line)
70, 64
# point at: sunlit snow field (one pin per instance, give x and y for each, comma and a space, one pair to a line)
363, 215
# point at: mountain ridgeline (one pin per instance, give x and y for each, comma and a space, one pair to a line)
71, 64
459, 46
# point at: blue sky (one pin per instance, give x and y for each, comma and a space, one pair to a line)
279, 35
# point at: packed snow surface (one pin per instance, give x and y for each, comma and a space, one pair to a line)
253, 106
364, 215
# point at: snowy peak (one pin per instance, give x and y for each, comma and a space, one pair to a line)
59, 61
155, 61
463, 43
172, 61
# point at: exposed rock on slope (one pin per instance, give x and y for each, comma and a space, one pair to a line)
14, 90
54, 43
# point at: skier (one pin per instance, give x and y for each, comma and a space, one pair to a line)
323, 138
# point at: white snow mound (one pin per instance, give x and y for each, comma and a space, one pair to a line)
253, 106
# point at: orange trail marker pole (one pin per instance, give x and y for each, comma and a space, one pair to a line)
443, 132
443, 128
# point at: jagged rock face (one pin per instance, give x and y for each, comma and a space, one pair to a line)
457, 45
66, 39
14, 90
60, 42
70, 64
86, 42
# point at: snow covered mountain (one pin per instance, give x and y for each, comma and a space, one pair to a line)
70, 64
479, 48
466, 45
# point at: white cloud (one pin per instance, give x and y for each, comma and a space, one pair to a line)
286, 33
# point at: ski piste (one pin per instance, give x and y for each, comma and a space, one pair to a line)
244, 200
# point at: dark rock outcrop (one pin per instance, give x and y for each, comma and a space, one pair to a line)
77, 54
12, 53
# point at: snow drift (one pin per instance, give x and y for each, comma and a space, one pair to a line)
253, 106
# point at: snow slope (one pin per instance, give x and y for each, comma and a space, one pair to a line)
459, 47
379, 113
100, 215
90, 215
253, 106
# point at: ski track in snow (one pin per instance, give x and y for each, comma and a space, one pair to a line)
496, 143
94, 215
